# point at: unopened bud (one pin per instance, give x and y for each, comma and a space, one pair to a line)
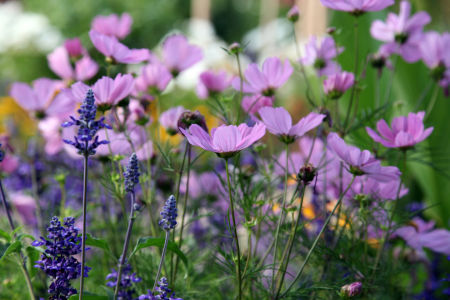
235, 48
352, 290
136, 207
188, 118
331, 30
307, 173
324, 111
293, 14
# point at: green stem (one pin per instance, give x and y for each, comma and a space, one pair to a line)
238, 272
161, 263
423, 95
356, 75
386, 236
377, 89
241, 88
26, 275
432, 102
317, 239
281, 215
292, 240
249, 251
184, 211
63, 200
83, 241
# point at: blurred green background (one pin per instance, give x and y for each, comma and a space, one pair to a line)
22, 60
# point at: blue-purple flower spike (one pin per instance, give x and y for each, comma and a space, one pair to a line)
127, 279
131, 174
169, 214
2, 155
163, 291
88, 127
58, 261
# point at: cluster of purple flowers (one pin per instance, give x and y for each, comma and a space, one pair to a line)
126, 289
88, 127
169, 214
58, 260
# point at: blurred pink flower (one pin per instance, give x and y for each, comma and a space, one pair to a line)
420, 234
375, 189
267, 80
153, 79
112, 25
211, 83
403, 31
406, 131
178, 54
201, 185
59, 63
360, 163
381, 58
226, 141
51, 132
40, 99
293, 14
279, 122
337, 84
357, 7
116, 52
26, 207
107, 91
74, 47
169, 119
435, 55
251, 104
9, 164
321, 57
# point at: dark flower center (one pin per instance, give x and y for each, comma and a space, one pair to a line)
437, 73
401, 38
319, 63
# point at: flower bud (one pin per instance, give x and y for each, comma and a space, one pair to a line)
293, 14
307, 173
324, 111
235, 48
136, 207
352, 290
331, 30
188, 118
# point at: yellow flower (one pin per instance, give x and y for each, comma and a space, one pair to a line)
10, 110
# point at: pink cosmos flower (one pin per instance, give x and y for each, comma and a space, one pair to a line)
112, 25
59, 63
420, 234
201, 185
154, 79
9, 164
251, 104
360, 163
212, 83
435, 55
74, 47
375, 189
107, 91
279, 122
115, 51
51, 132
226, 141
406, 131
403, 31
178, 54
169, 119
357, 7
336, 85
266, 81
381, 58
321, 56
26, 207
39, 99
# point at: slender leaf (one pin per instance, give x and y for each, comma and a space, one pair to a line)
22, 236
32, 256
99, 243
149, 241
109, 293
16, 230
14, 247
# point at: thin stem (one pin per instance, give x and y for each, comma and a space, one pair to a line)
238, 273
5, 205
377, 89
249, 251
241, 89
317, 240
386, 236
356, 75
291, 243
125, 246
422, 95
83, 242
391, 80
281, 214
62, 208
302, 68
26, 275
162, 259
432, 102
184, 210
